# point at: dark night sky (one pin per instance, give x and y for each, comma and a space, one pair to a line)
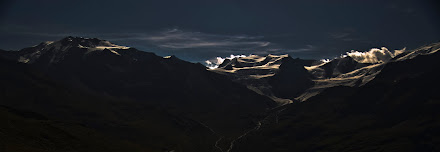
197, 30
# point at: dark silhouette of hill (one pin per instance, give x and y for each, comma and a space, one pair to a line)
292, 80
149, 101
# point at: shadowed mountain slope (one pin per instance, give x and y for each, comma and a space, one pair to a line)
130, 94
279, 77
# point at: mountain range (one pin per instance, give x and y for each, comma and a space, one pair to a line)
395, 111
83, 94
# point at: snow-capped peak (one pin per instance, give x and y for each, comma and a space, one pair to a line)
58, 49
243, 61
89, 43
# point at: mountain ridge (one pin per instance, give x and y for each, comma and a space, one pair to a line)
395, 111
184, 89
145, 102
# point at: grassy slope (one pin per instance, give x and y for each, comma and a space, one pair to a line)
145, 126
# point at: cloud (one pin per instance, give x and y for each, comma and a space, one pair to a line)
176, 39
306, 48
179, 39
209, 44
339, 35
375, 55
347, 34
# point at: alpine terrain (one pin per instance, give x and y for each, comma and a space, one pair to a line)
87, 94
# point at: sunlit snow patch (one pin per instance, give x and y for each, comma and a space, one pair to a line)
214, 63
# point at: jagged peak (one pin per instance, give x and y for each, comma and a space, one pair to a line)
88, 43
239, 61
58, 49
